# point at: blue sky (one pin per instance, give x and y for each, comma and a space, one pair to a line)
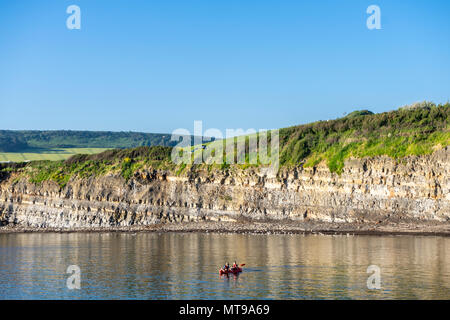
155, 66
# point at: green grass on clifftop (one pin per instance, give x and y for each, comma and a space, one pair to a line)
415, 130
125, 162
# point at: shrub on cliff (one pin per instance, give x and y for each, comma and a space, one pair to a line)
154, 153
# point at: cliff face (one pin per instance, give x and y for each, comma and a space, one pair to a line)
368, 190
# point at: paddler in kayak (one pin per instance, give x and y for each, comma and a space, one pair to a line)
226, 267
235, 269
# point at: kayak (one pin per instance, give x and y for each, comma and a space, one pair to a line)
232, 271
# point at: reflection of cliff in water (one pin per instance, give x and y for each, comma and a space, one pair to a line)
159, 266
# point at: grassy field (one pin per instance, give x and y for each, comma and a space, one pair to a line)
47, 154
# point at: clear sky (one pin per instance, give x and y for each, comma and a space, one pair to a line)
155, 66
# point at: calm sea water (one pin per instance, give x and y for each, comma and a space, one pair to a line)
185, 266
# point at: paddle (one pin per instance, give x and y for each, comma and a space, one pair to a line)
243, 264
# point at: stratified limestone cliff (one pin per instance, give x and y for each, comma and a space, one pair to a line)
367, 191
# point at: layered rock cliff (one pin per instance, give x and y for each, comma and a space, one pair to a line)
368, 191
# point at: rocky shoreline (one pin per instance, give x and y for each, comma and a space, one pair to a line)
266, 227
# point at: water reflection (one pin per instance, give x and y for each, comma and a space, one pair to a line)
185, 266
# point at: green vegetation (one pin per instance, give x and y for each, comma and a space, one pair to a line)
413, 130
28, 154
14, 141
416, 130
126, 162
358, 113
9, 143
19, 146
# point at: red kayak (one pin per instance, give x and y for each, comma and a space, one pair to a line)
232, 270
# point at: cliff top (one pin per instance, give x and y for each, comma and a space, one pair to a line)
413, 130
